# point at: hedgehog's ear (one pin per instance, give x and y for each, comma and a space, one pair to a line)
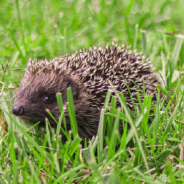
74, 86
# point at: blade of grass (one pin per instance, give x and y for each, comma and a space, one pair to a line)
61, 108
71, 110
173, 59
144, 43
16, 43
136, 34
107, 98
114, 136
100, 135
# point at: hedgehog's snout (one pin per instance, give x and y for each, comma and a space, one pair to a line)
18, 110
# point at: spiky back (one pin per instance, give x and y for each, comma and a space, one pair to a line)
94, 68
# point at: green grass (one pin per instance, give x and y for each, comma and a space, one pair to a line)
149, 152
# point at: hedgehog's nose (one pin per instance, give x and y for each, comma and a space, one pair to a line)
17, 110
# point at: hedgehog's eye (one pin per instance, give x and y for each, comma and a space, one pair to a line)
47, 99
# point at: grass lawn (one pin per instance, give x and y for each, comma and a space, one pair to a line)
148, 151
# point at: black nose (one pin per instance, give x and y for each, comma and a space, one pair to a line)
17, 110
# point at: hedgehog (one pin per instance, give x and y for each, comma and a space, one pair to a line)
88, 73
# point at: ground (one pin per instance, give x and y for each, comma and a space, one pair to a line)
147, 152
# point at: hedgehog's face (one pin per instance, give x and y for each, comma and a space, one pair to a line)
40, 94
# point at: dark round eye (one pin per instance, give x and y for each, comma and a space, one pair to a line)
47, 99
